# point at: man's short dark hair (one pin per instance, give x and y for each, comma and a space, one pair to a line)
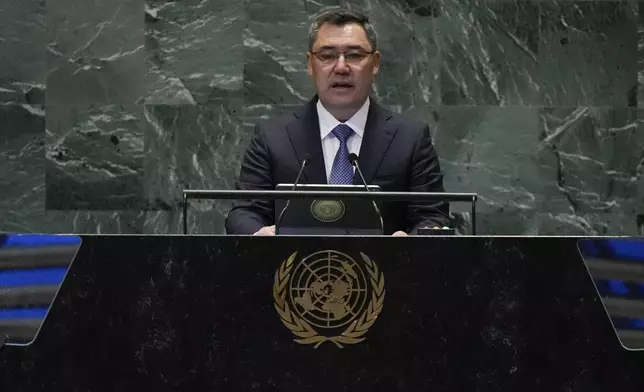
340, 17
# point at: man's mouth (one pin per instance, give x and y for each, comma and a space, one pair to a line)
342, 85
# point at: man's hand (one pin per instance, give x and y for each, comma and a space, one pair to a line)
266, 230
399, 234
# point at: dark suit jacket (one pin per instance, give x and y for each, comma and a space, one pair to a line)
396, 153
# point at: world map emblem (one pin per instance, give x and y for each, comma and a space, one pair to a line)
328, 296
327, 210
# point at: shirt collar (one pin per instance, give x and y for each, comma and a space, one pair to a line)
357, 122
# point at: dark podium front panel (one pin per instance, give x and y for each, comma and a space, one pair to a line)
196, 313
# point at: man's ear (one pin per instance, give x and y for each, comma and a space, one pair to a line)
309, 65
376, 62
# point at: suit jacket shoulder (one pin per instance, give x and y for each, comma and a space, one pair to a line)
407, 126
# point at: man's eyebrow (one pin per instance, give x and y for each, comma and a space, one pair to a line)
327, 47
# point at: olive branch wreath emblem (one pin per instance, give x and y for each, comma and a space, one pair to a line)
354, 333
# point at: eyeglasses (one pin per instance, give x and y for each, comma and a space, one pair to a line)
352, 57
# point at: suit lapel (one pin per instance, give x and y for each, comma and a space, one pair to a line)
304, 133
378, 136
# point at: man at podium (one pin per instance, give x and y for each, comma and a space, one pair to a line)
395, 152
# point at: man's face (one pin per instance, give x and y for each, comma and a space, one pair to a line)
343, 82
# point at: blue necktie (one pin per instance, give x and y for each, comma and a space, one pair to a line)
342, 171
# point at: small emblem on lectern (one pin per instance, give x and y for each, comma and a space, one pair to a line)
327, 210
329, 297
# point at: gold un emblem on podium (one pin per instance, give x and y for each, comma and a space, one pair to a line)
328, 297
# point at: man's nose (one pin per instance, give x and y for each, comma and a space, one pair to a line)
341, 65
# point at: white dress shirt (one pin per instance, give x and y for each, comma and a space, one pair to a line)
330, 144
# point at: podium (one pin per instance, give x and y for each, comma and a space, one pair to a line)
207, 194
242, 313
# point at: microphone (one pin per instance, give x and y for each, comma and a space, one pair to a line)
305, 162
353, 158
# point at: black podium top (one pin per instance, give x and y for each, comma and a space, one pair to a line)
168, 313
